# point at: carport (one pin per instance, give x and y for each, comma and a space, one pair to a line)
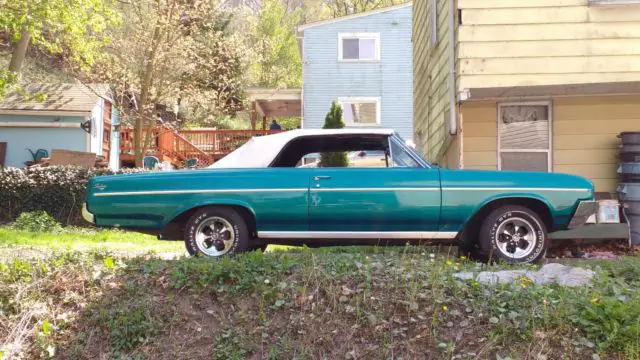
273, 103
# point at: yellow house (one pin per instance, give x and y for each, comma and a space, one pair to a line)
527, 84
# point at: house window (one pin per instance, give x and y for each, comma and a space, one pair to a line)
360, 111
524, 136
359, 47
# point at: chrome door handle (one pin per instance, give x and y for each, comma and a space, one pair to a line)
321, 177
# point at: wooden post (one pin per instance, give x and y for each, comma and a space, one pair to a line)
253, 115
264, 122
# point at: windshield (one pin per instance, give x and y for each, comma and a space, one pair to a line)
409, 150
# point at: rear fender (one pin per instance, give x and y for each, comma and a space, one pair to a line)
216, 202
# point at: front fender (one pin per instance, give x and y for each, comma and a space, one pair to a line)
502, 197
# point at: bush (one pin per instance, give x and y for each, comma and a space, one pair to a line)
333, 120
57, 190
36, 221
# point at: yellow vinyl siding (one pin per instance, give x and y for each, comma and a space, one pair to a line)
430, 80
479, 132
585, 135
505, 43
585, 131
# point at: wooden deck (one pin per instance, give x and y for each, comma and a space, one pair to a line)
178, 146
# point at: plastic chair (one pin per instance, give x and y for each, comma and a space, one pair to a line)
191, 163
150, 162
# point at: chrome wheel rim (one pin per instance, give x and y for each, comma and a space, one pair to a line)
515, 238
215, 236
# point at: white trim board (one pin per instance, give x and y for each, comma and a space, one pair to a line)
354, 16
45, 113
39, 124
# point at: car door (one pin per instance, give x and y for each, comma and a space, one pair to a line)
382, 199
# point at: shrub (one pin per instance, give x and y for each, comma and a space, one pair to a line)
334, 121
57, 190
36, 221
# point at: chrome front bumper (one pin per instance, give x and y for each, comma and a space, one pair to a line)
583, 212
86, 215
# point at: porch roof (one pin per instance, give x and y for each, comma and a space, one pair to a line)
275, 102
549, 91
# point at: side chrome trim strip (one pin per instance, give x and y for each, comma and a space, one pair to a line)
512, 189
374, 189
357, 234
228, 191
199, 191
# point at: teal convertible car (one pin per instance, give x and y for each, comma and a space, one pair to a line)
263, 194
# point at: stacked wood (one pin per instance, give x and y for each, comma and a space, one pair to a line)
77, 158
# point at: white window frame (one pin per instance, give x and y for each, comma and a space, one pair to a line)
549, 151
351, 100
613, 2
374, 36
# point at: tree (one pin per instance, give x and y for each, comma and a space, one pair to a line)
276, 60
75, 27
333, 120
175, 54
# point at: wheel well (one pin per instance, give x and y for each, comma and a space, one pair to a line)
175, 229
471, 229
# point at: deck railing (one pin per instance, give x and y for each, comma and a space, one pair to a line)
206, 145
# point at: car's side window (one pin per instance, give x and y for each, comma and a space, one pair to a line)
401, 158
349, 159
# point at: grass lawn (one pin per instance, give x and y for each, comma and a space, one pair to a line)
85, 240
332, 303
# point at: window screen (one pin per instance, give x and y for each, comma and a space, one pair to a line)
359, 47
524, 137
360, 112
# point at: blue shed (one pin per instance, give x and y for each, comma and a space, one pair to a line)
71, 117
363, 62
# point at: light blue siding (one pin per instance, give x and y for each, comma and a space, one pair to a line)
326, 79
19, 140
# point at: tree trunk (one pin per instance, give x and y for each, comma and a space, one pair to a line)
20, 52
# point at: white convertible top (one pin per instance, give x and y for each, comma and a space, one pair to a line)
260, 151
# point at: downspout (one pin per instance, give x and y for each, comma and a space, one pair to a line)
453, 122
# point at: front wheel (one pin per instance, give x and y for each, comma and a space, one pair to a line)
216, 232
514, 234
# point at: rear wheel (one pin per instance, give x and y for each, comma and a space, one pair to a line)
513, 234
216, 232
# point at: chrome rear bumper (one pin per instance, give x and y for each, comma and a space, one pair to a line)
86, 215
583, 212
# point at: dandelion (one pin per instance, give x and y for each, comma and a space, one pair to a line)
594, 300
457, 264
266, 281
445, 308
463, 258
449, 262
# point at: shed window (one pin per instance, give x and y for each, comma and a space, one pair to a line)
359, 47
360, 111
524, 137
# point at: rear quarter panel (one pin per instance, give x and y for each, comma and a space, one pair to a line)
464, 192
277, 197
